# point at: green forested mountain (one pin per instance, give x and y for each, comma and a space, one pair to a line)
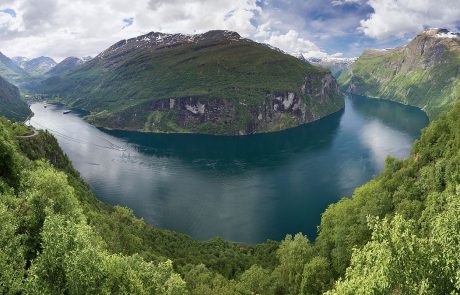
423, 73
398, 234
216, 82
66, 66
35, 66
10, 71
11, 104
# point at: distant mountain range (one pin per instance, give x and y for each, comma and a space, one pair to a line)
337, 65
215, 83
66, 66
423, 73
26, 72
10, 71
35, 66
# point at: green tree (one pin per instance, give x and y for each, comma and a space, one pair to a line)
293, 254
257, 280
317, 276
12, 261
398, 260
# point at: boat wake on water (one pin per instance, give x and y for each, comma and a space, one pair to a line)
57, 133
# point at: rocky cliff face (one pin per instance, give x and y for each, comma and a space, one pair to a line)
317, 97
423, 73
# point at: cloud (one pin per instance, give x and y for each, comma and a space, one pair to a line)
345, 2
128, 22
291, 42
399, 18
60, 28
296, 45
9, 11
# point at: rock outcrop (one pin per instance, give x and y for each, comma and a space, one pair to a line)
279, 111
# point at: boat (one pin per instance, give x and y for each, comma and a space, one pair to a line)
66, 112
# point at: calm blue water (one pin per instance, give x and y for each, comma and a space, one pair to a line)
245, 189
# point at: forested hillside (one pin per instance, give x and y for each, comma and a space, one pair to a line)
11, 104
423, 73
398, 234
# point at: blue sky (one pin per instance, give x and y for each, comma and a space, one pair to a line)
336, 26
61, 28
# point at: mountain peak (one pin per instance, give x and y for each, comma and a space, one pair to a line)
440, 33
157, 40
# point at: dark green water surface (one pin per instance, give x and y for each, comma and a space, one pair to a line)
245, 189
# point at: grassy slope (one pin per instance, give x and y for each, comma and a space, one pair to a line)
240, 71
384, 75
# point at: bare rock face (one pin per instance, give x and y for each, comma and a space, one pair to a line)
279, 111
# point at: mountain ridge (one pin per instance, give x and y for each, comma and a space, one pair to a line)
214, 83
65, 66
35, 66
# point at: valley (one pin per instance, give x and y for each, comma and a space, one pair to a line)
208, 163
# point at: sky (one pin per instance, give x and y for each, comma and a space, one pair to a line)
313, 28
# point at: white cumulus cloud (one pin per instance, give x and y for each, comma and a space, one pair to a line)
401, 17
60, 28
293, 43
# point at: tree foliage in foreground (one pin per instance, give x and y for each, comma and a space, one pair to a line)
398, 234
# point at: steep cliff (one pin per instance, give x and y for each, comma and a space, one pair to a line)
214, 83
11, 104
318, 96
423, 73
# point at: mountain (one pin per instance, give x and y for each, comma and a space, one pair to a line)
20, 61
215, 83
86, 58
36, 66
65, 66
423, 73
11, 104
337, 65
10, 71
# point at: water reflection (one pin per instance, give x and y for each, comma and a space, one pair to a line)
241, 188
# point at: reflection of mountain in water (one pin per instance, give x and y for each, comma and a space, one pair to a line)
255, 148
402, 117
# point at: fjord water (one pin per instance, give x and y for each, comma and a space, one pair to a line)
245, 189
